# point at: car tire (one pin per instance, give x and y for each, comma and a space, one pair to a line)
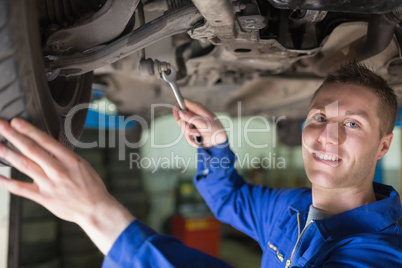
24, 89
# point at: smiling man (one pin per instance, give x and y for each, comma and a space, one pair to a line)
345, 220
342, 142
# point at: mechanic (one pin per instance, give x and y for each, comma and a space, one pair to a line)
345, 220
352, 222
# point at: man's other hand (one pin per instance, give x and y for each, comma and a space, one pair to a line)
63, 182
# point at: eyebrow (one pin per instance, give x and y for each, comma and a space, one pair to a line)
317, 107
359, 113
348, 113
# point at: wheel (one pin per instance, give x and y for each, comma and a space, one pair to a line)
24, 89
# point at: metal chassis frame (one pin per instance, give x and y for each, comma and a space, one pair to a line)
111, 20
175, 22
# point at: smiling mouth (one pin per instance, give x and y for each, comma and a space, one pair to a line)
327, 157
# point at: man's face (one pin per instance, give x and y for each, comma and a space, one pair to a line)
341, 137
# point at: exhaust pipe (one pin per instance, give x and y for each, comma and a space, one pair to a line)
380, 32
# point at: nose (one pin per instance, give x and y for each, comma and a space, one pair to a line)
330, 134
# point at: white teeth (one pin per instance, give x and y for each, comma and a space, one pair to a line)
326, 157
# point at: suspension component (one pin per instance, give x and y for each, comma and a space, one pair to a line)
108, 23
153, 67
66, 12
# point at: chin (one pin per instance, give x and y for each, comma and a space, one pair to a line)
323, 179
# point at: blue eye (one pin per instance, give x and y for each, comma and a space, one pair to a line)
352, 124
319, 118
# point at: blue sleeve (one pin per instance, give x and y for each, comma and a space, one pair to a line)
140, 246
248, 208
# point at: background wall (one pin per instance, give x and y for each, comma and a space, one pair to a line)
392, 162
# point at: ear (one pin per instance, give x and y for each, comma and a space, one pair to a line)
385, 143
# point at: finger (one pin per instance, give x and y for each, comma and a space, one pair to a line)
191, 130
190, 140
198, 121
188, 129
22, 163
47, 142
198, 108
182, 124
190, 133
175, 111
24, 189
28, 147
185, 128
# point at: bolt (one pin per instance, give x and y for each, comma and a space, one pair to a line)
251, 21
51, 75
253, 38
237, 7
56, 46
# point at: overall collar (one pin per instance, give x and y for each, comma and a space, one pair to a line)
372, 217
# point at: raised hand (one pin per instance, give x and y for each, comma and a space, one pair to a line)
199, 121
63, 182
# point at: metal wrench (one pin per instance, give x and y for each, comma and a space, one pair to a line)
170, 78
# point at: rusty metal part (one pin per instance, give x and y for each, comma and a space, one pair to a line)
155, 5
249, 17
219, 14
245, 41
152, 67
304, 16
397, 13
369, 6
141, 19
105, 25
176, 4
176, 22
380, 32
221, 65
247, 47
64, 13
238, 6
252, 22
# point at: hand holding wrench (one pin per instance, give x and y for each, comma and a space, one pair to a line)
171, 79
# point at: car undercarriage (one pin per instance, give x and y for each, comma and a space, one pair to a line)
250, 57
